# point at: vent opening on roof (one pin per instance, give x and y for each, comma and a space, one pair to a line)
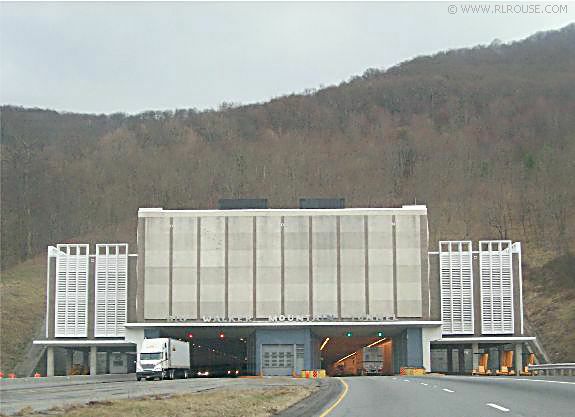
321, 203
242, 203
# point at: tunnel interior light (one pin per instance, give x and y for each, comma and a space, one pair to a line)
345, 357
376, 342
324, 343
349, 334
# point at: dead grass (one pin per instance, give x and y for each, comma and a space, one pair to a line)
229, 402
549, 300
22, 309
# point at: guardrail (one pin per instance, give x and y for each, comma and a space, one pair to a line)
553, 369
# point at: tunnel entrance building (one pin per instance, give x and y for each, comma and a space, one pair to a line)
282, 290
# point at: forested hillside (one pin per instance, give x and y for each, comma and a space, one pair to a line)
484, 136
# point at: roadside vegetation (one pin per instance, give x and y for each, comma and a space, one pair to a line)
252, 402
22, 309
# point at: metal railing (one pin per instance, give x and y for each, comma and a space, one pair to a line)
553, 369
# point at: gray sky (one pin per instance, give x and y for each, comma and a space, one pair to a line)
131, 57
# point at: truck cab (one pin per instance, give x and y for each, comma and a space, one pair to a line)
163, 358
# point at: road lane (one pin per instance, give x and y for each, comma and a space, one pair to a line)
46, 393
457, 396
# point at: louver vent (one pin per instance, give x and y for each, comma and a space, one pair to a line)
456, 274
111, 289
72, 263
496, 287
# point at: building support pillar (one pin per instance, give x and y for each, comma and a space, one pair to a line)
449, 359
93, 360
475, 352
49, 361
428, 334
518, 358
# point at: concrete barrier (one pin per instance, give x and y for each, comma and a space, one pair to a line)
313, 373
409, 371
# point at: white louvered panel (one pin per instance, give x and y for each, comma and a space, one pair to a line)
456, 276
496, 269
111, 289
72, 262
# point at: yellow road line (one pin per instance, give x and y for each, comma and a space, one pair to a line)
341, 397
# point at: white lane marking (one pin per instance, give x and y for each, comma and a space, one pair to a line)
406, 380
447, 390
498, 407
394, 378
542, 380
423, 383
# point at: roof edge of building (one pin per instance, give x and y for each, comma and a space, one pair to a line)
404, 210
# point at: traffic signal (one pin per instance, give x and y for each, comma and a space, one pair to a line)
222, 336
190, 335
379, 334
349, 334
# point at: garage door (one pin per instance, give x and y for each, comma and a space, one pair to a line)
277, 359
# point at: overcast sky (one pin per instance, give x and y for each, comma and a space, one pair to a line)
131, 57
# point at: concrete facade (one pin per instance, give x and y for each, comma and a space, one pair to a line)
259, 263
293, 277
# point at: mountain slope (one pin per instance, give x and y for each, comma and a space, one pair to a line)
484, 136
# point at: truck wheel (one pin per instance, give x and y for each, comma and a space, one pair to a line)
172, 374
139, 378
163, 375
186, 374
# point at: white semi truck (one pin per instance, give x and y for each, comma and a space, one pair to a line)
163, 358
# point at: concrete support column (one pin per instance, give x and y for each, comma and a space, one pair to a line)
518, 357
475, 352
461, 354
93, 359
49, 361
69, 360
428, 334
449, 359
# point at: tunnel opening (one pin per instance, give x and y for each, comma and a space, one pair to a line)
214, 352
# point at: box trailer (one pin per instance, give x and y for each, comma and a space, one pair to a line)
370, 361
163, 358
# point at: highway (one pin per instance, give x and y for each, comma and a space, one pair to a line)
456, 396
45, 393
429, 396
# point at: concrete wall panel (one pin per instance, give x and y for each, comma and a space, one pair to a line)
296, 268
212, 266
268, 266
352, 269
380, 255
184, 264
156, 267
324, 265
408, 258
240, 266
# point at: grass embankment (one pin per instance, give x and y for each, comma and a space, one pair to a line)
549, 299
22, 309
250, 402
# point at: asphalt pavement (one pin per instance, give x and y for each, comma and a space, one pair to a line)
428, 396
456, 396
45, 393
